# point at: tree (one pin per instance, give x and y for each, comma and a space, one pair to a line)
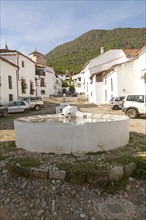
72, 88
64, 83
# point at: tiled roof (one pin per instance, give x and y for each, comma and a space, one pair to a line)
40, 65
130, 52
36, 52
6, 51
141, 50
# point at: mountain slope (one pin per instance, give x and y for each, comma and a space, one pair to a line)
73, 55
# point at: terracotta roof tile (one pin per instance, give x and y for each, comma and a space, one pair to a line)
130, 52
6, 50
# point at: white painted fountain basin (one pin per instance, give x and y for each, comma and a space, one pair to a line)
59, 135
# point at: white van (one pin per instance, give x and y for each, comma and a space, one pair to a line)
134, 105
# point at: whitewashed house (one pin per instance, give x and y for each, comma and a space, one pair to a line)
78, 82
96, 85
62, 77
25, 73
126, 78
46, 82
8, 81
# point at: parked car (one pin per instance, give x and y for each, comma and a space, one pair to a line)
18, 106
116, 103
34, 102
3, 111
74, 94
134, 105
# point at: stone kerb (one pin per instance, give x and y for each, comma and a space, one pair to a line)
102, 175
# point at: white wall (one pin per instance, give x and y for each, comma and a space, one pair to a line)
87, 82
79, 84
107, 60
6, 70
128, 77
110, 84
27, 72
49, 80
96, 90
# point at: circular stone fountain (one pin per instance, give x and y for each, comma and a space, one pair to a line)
71, 132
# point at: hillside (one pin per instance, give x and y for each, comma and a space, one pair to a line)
73, 55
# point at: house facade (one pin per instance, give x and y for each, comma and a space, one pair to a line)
46, 82
8, 81
126, 78
78, 82
111, 74
26, 72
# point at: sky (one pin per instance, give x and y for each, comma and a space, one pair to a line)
45, 24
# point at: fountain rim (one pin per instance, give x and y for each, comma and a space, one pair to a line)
29, 119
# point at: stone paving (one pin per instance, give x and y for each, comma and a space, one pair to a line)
39, 199
45, 199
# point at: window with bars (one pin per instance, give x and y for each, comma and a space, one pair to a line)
23, 85
42, 82
32, 90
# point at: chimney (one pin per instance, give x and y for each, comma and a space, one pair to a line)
6, 46
101, 50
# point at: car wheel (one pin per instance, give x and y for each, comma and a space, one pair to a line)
132, 113
5, 113
37, 107
116, 107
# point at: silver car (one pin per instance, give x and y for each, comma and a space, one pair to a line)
18, 106
116, 103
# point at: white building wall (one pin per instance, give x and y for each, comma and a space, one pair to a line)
107, 60
53, 85
125, 78
110, 85
128, 78
87, 82
92, 90
79, 84
6, 70
141, 70
49, 80
28, 73
95, 66
12, 57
